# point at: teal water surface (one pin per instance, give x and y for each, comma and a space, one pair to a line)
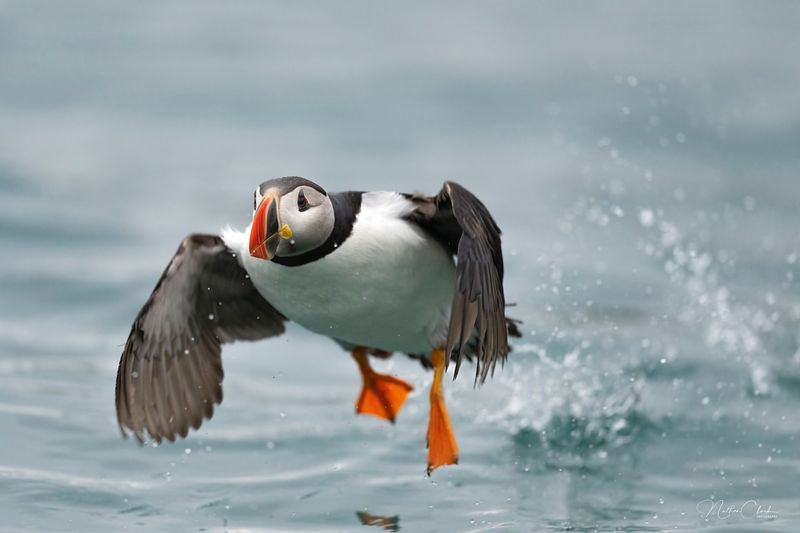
642, 159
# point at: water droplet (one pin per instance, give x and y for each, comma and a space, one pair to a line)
646, 218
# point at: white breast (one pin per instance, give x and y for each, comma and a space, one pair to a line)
388, 286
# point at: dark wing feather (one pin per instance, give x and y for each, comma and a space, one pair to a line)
170, 373
477, 321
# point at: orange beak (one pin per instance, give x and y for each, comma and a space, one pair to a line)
265, 231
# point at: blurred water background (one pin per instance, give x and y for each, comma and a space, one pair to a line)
643, 160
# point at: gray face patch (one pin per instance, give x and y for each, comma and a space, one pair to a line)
311, 218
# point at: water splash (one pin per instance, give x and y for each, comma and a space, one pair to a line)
730, 327
574, 407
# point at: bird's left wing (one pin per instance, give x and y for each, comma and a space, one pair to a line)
170, 373
477, 320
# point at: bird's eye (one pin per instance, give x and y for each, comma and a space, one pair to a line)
302, 202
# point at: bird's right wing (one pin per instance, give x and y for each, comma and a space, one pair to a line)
170, 373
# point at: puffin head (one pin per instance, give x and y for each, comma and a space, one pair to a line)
292, 215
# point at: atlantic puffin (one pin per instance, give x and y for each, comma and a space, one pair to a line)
377, 272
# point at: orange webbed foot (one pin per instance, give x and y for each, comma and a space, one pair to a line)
442, 445
381, 395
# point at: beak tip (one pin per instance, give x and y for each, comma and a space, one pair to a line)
259, 250
266, 231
